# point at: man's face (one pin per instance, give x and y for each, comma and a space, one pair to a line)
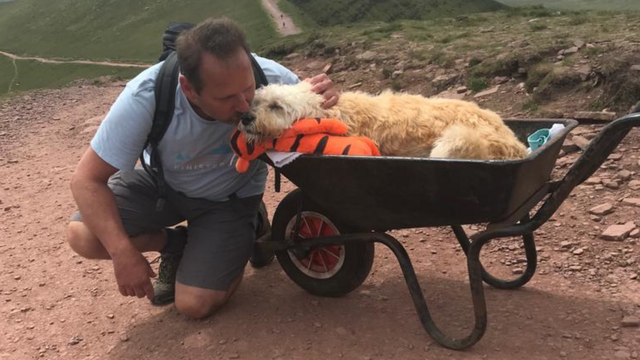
227, 90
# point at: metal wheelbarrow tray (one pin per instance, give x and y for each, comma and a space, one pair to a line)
345, 204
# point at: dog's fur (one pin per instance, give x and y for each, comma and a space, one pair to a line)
401, 124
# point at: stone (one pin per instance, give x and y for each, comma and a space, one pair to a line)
635, 67
580, 141
487, 92
594, 115
634, 185
632, 201
367, 55
630, 321
618, 232
623, 175
571, 50
603, 209
594, 180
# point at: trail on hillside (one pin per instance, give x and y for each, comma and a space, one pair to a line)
86, 62
15, 75
284, 22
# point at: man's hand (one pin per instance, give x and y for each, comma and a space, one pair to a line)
133, 274
322, 85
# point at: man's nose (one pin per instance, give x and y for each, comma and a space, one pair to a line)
247, 118
242, 105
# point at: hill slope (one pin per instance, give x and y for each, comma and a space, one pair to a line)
114, 29
579, 4
346, 11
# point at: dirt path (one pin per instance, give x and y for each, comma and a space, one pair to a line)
284, 23
88, 62
56, 305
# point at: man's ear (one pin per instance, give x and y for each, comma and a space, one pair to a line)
188, 89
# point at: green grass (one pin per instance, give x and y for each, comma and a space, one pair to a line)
327, 13
36, 75
115, 29
579, 4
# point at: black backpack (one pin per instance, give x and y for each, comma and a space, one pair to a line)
165, 91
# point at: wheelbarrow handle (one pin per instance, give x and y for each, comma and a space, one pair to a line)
594, 155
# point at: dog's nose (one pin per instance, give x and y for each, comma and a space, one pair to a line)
247, 118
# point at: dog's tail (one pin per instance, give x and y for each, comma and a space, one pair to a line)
465, 142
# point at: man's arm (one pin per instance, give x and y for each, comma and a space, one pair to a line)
100, 214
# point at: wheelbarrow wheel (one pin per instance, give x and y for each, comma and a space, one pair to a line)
330, 271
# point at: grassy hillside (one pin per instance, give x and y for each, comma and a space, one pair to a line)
347, 11
114, 29
579, 4
29, 75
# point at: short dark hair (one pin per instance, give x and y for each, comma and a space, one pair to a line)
219, 37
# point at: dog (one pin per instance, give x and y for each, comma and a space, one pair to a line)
400, 124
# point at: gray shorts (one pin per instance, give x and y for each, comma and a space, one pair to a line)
220, 235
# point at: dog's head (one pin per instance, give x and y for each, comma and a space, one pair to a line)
276, 107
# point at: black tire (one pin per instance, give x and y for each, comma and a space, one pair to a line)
354, 260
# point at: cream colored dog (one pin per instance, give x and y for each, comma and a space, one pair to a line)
401, 124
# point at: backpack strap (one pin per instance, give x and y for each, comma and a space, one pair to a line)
165, 94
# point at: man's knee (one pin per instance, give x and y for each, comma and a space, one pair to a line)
199, 303
83, 242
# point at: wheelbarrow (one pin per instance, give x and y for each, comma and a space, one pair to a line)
324, 232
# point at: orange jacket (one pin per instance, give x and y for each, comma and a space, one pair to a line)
307, 136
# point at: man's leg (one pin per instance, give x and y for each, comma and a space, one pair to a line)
221, 236
136, 197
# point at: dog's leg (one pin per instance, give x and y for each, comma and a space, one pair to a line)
460, 142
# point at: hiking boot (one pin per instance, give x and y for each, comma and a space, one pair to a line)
164, 286
261, 257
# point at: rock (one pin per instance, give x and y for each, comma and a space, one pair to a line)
632, 201
315, 65
75, 340
623, 175
501, 79
367, 55
396, 74
461, 89
622, 354
450, 95
584, 71
571, 50
611, 184
603, 209
618, 232
630, 321
614, 157
635, 67
594, 180
353, 86
579, 44
581, 142
569, 146
578, 252
327, 68
292, 56
444, 81
487, 92
594, 115
635, 233
634, 185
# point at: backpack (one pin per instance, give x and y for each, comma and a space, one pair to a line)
165, 91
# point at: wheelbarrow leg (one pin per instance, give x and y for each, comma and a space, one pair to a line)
475, 278
530, 253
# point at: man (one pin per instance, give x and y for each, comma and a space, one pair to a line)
117, 216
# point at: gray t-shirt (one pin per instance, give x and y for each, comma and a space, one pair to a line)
195, 153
